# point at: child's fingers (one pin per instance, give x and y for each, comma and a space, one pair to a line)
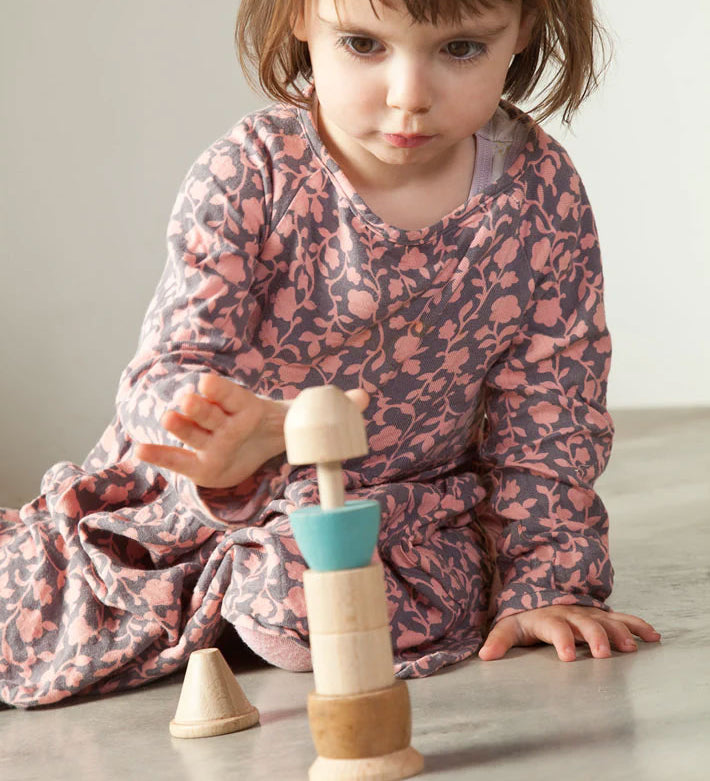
637, 625
494, 648
619, 635
360, 397
557, 632
232, 397
176, 459
228, 394
500, 640
594, 634
185, 430
203, 412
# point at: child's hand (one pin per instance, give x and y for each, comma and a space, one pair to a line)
230, 431
562, 626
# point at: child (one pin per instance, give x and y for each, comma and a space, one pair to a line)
395, 229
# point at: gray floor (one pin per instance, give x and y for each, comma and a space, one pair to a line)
640, 716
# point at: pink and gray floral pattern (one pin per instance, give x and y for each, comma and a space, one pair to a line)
482, 341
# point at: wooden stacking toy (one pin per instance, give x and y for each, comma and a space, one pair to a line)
359, 714
211, 700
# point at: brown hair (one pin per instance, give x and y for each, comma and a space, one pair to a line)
566, 37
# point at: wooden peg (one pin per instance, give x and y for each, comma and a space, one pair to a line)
211, 700
323, 427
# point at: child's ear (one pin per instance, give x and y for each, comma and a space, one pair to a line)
527, 22
298, 21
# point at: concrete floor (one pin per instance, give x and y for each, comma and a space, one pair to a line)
641, 716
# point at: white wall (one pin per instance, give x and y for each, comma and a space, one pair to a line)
641, 145
105, 105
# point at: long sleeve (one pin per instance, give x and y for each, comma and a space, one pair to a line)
204, 315
548, 433
201, 317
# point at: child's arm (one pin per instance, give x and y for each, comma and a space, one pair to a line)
197, 372
230, 433
548, 438
200, 320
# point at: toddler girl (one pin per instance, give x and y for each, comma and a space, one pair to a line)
390, 226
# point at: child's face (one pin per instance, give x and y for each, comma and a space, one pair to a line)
395, 93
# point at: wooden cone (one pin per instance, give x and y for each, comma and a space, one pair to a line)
211, 700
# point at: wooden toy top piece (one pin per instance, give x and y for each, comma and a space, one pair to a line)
324, 426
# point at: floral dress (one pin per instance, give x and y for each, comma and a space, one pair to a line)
483, 344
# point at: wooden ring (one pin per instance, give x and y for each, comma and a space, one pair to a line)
356, 726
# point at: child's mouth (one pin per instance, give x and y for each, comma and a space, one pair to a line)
406, 141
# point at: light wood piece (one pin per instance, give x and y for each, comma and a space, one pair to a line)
346, 600
352, 663
361, 725
391, 767
323, 427
331, 484
211, 700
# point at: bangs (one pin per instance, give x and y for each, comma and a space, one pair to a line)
435, 11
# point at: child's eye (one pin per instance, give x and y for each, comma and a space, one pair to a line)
358, 44
464, 50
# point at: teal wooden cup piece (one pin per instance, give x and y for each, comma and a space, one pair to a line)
341, 538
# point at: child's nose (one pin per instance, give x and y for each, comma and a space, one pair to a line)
409, 87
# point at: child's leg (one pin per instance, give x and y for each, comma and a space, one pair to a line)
440, 592
264, 600
99, 586
251, 644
